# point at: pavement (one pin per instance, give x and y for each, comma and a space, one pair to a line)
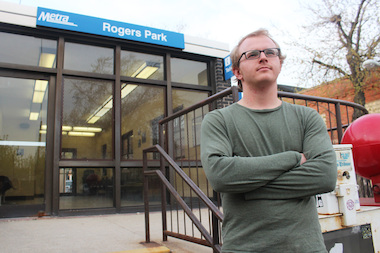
116, 233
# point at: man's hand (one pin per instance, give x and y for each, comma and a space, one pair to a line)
303, 158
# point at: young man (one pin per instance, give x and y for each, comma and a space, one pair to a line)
267, 158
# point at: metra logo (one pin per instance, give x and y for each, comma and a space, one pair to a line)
55, 18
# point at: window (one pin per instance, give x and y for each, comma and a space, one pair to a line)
23, 126
86, 188
139, 65
187, 71
132, 184
87, 118
141, 107
27, 50
187, 127
88, 58
127, 145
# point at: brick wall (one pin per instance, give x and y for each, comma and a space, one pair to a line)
222, 84
343, 89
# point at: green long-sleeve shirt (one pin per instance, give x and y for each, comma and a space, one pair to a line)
253, 158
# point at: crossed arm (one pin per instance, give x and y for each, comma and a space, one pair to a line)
284, 175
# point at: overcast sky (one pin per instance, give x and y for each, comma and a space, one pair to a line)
220, 20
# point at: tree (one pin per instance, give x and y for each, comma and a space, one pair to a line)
345, 33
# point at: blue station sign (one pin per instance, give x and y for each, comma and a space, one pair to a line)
92, 25
228, 68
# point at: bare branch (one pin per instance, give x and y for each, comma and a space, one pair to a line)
358, 14
372, 46
340, 36
332, 67
337, 19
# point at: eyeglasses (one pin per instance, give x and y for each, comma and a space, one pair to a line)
255, 54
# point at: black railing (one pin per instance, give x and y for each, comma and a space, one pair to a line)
339, 117
207, 237
192, 211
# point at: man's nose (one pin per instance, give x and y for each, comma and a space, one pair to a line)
263, 56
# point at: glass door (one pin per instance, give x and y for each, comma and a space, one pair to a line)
23, 126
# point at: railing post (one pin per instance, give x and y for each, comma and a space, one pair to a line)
235, 93
146, 198
339, 126
163, 189
215, 231
168, 167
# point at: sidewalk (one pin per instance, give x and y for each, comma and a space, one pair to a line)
95, 234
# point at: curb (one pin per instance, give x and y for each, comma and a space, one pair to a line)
160, 249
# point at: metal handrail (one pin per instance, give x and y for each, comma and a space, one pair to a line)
210, 99
235, 89
188, 180
216, 212
321, 99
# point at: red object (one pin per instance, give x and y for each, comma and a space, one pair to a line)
364, 135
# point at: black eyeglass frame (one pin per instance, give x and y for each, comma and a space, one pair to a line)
258, 56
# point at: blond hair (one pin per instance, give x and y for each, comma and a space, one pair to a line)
235, 55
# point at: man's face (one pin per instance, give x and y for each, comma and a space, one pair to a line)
261, 71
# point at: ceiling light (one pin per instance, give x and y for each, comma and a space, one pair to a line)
147, 72
39, 91
93, 119
40, 85
103, 109
38, 97
87, 129
83, 134
47, 60
109, 104
127, 88
33, 116
139, 69
66, 128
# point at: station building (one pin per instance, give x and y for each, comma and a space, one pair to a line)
80, 98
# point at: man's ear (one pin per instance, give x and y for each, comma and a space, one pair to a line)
237, 73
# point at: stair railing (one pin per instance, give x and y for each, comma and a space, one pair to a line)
180, 170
